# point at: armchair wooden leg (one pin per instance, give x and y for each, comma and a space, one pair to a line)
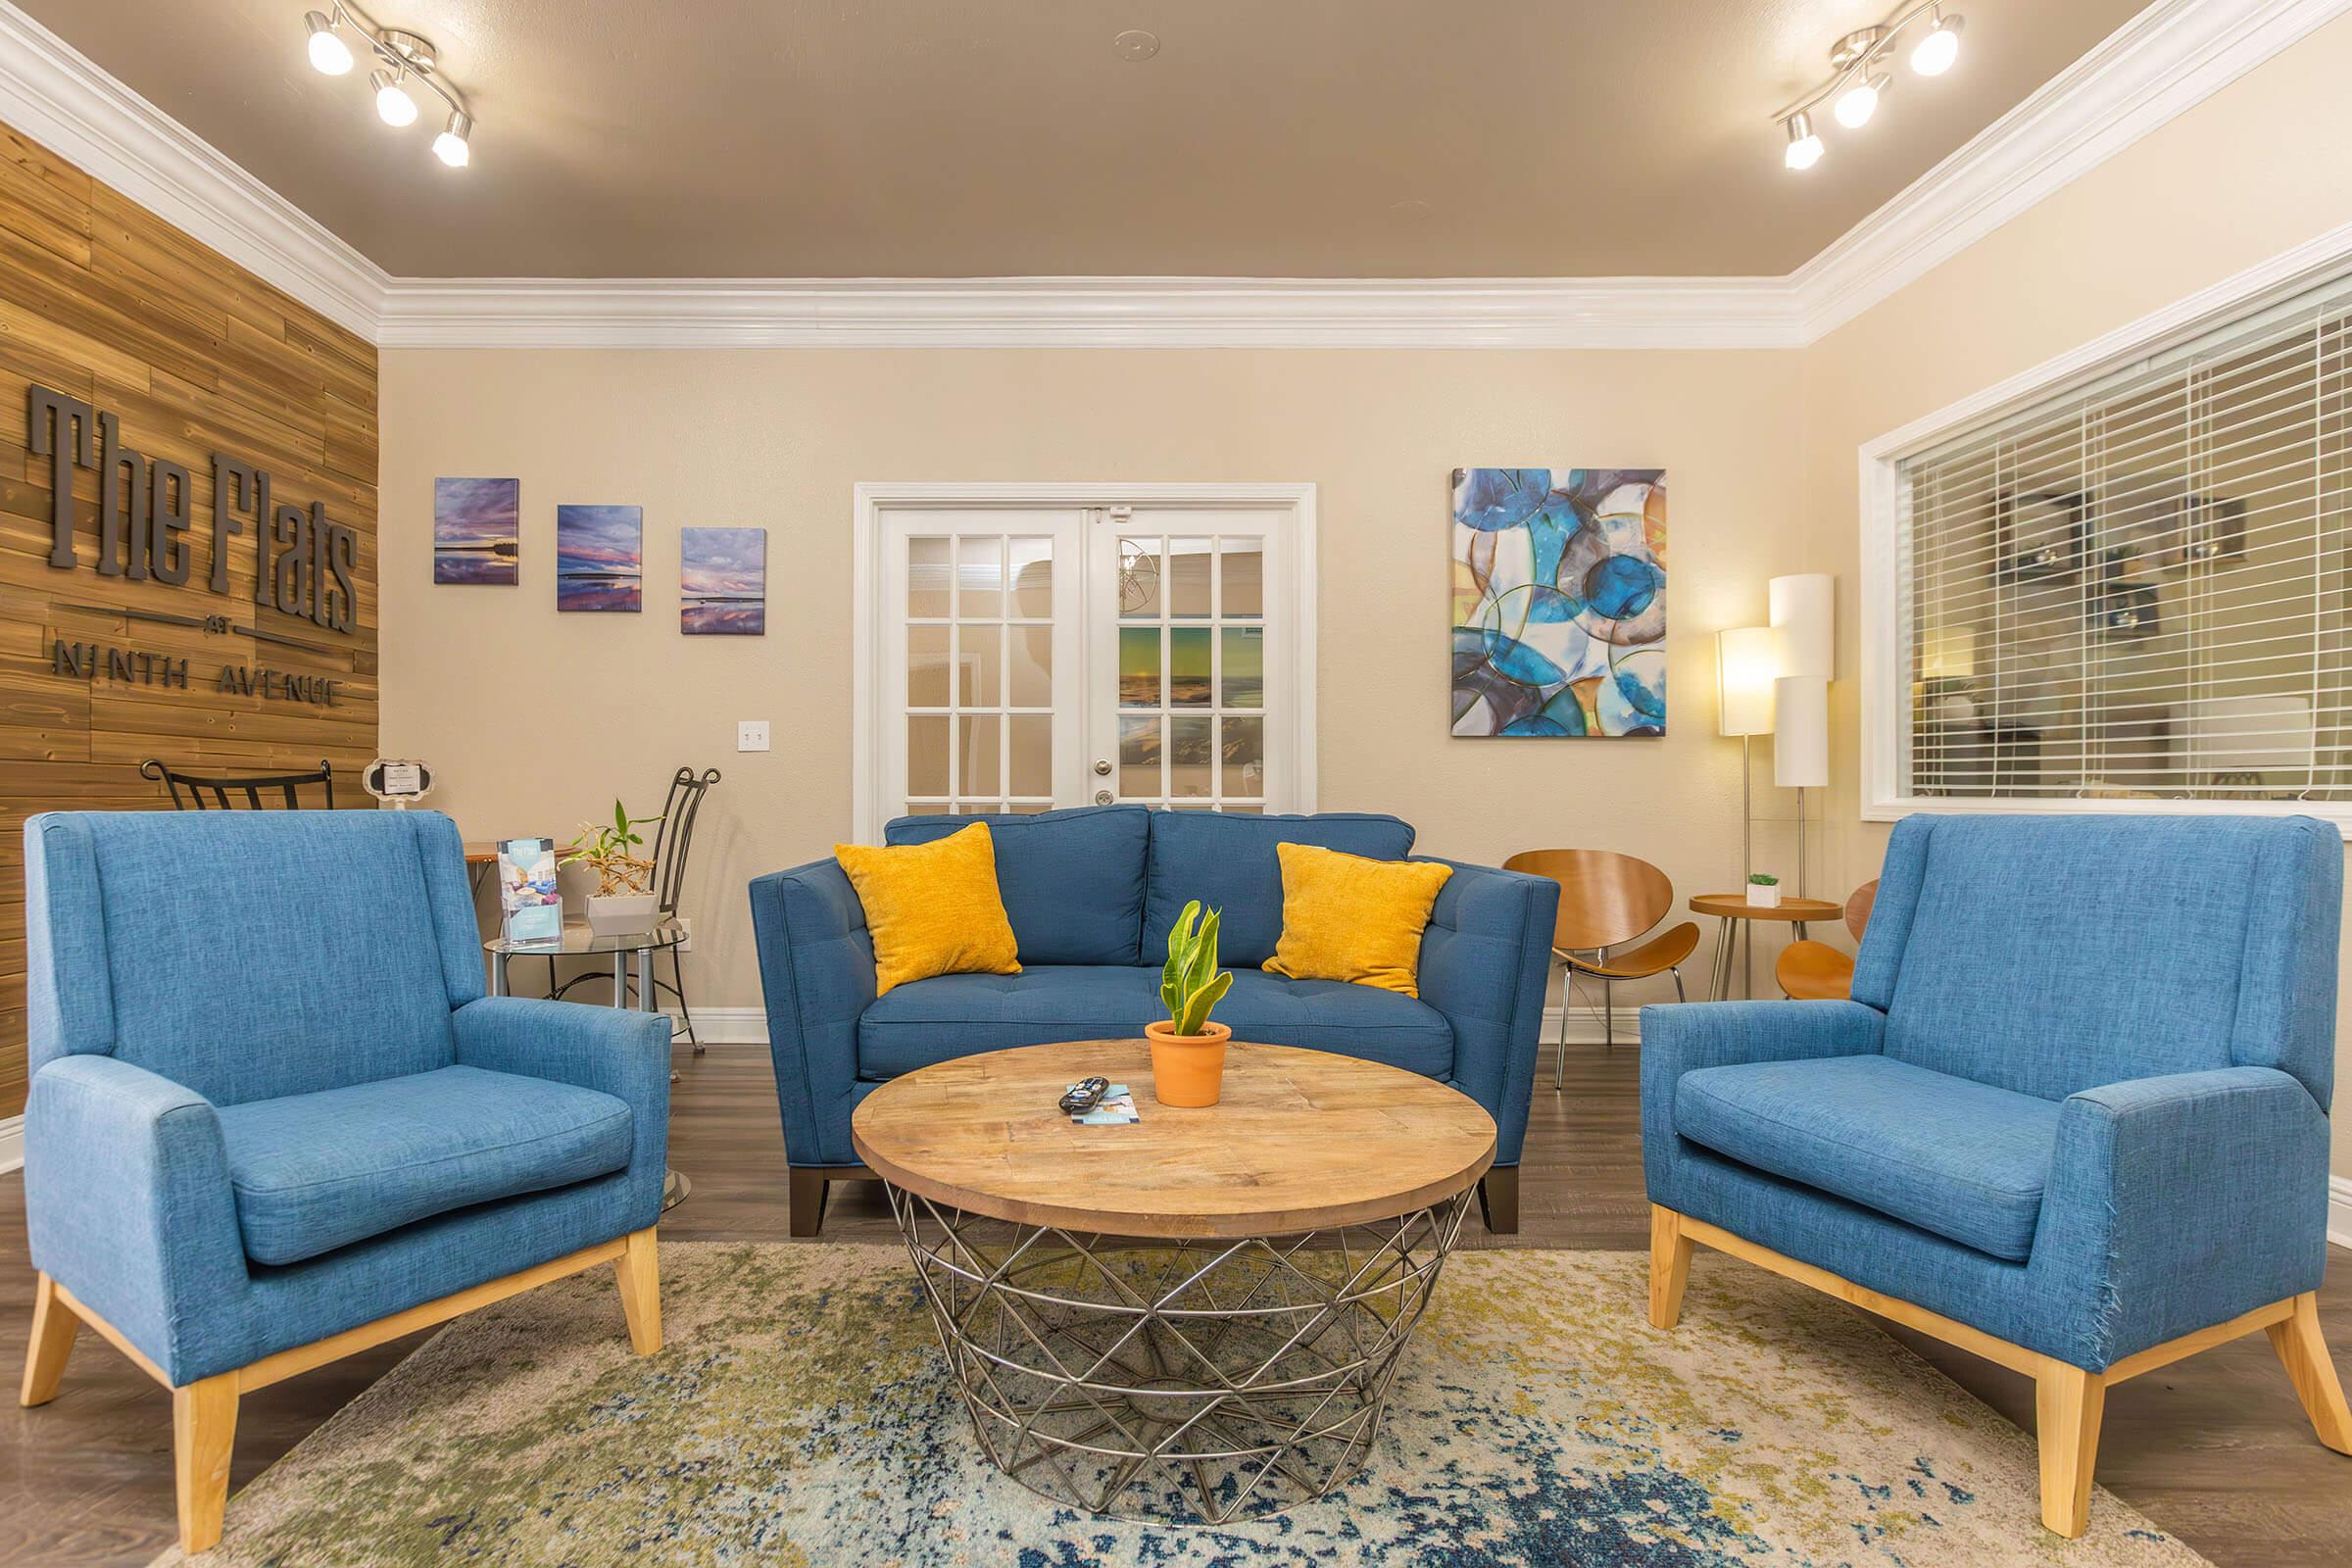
53, 1328
639, 1272
1499, 1199
2305, 1356
1669, 1266
204, 1427
2068, 1404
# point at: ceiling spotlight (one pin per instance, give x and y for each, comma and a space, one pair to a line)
1804, 148
450, 146
1940, 48
393, 105
328, 52
1858, 103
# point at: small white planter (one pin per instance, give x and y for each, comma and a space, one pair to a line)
621, 914
1763, 898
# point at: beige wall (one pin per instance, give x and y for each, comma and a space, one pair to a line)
2260, 167
536, 719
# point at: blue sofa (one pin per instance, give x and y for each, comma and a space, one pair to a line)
2074, 1119
274, 1119
1091, 893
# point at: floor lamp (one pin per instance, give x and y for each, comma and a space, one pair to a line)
1803, 612
1748, 659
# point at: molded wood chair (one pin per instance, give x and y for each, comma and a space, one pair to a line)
1606, 901
1815, 971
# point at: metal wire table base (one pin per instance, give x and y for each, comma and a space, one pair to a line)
1175, 1382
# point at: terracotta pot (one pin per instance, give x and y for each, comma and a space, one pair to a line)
1187, 1069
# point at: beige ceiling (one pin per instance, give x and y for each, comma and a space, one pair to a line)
941, 138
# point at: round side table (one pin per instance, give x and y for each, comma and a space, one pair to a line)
1736, 919
1194, 1318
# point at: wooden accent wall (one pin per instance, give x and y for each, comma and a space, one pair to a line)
103, 301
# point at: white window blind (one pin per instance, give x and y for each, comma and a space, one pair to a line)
2137, 589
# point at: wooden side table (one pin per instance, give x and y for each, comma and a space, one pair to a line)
1734, 917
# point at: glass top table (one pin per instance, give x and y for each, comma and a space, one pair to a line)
580, 941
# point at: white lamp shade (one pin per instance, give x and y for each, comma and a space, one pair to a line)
1805, 610
1801, 742
1746, 660
1947, 653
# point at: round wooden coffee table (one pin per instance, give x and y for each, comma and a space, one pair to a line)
1194, 1319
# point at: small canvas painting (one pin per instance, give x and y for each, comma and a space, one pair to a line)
476, 524
1559, 602
722, 582
598, 558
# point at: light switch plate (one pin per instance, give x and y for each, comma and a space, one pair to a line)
750, 735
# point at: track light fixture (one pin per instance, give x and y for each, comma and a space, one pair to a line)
1856, 81
407, 61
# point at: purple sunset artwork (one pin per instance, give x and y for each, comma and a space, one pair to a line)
475, 523
722, 582
598, 558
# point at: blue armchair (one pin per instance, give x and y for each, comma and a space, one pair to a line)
2074, 1119
275, 1120
1088, 891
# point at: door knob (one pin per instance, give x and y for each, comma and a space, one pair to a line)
1102, 797
1102, 767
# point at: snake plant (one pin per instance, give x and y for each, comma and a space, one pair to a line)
1192, 983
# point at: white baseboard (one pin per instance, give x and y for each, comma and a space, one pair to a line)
11, 1143
2339, 1211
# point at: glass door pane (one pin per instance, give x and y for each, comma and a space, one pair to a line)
1184, 696
982, 660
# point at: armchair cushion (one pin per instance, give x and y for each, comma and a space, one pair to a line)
1963, 1159
959, 1014
319, 1171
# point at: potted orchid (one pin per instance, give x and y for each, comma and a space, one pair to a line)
1188, 1050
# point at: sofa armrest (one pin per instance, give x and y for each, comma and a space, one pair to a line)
614, 1051
1680, 1037
1485, 957
2183, 1200
128, 1205
817, 972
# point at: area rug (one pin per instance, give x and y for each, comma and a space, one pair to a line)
800, 1414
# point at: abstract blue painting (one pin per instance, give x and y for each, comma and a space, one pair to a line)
722, 582
598, 558
1559, 602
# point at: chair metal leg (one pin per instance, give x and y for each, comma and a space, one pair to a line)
1609, 1016
677, 973
1559, 1061
1678, 984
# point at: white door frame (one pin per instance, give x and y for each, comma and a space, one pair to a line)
870, 619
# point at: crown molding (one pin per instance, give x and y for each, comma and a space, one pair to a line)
2162, 63
1091, 312
60, 98
2165, 60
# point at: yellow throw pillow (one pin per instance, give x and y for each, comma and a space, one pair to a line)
932, 908
1345, 918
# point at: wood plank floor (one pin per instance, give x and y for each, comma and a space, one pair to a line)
2214, 1448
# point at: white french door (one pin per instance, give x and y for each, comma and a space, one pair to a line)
1022, 648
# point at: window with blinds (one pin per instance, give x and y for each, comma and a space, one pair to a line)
2138, 590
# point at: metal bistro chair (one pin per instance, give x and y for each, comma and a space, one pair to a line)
196, 788
1607, 899
1815, 971
673, 839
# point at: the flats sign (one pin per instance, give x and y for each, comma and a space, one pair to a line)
303, 563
